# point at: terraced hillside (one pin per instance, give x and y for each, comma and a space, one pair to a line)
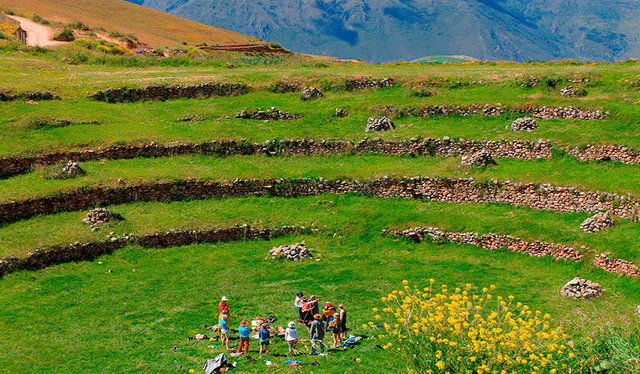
206, 165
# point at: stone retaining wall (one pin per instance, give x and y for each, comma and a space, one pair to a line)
535, 248
118, 95
88, 251
457, 191
35, 96
416, 146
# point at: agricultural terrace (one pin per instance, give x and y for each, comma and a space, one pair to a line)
178, 171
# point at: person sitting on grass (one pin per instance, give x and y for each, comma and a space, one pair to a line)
264, 335
317, 334
244, 332
291, 336
224, 329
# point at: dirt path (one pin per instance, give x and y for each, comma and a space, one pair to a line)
37, 34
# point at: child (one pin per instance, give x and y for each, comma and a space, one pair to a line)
264, 335
224, 329
244, 332
291, 336
335, 327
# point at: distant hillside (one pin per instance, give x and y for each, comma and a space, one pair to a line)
152, 27
388, 30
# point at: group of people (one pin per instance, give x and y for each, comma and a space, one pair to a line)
331, 320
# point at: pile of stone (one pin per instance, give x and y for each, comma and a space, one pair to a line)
98, 215
379, 124
341, 113
578, 79
597, 222
482, 158
364, 83
568, 91
71, 170
581, 288
291, 252
616, 266
270, 114
569, 112
312, 93
526, 123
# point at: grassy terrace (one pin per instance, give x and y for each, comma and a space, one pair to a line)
78, 317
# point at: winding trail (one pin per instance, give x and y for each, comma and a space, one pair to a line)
37, 34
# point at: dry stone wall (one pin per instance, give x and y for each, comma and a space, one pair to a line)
35, 96
88, 251
456, 191
535, 248
118, 95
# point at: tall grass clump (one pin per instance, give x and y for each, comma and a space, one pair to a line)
441, 331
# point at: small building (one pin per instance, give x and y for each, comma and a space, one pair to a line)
21, 35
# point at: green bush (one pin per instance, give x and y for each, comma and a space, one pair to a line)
275, 45
65, 35
78, 25
40, 20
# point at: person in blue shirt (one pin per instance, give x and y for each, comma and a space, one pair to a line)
224, 330
244, 332
264, 335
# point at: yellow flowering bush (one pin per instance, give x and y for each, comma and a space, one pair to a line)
458, 331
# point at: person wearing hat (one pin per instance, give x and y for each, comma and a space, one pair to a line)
291, 336
223, 308
317, 334
298, 304
244, 332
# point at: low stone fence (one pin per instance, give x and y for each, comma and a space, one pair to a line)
88, 251
118, 95
535, 248
35, 96
456, 191
416, 146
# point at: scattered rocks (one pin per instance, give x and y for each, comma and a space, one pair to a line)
309, 93
291, 252
597, 222
567, 91
191, 117
270, 114
528, 124
98, 215
379, 124
579, 288
71, 170
482, 158
340, 113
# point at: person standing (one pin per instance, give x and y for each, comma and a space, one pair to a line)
334, 326
343, 321
291, 336
264, 336
298, 304
223, 307
317, 334
224, 329
244, 332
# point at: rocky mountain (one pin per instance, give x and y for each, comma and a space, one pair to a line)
390, 30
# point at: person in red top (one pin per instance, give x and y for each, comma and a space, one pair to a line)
223, 308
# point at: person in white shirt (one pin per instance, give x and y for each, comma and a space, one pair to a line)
298, 304
291, 336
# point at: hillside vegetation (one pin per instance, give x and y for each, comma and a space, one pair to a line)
151, 27
190, 180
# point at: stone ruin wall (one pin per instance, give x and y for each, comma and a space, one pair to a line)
536, 248
456, 191
90, 250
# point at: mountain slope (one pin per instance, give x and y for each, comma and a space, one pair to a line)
387, 30
150, 26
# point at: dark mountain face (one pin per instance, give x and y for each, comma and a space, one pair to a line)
390, 30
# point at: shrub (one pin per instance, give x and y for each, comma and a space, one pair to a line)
65, 35
275, 45
9, 12
78, 25
40, 20
462, 332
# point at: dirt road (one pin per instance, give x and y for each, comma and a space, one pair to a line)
37, 34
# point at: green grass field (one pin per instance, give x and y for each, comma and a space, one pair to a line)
79, 317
